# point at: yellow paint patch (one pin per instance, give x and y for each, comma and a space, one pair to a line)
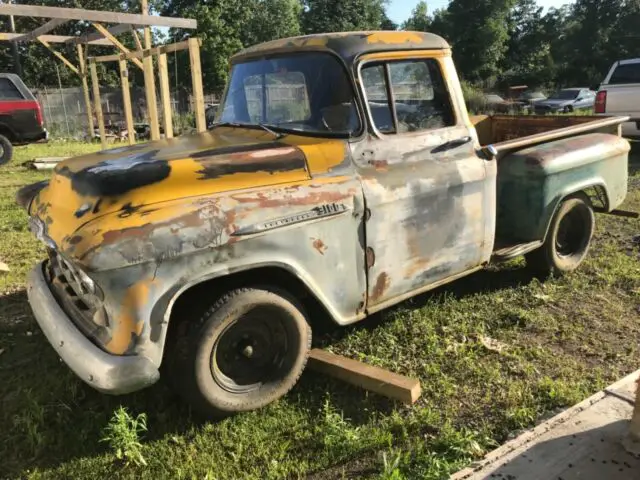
129, 323
322, 157
405, 54
392, 38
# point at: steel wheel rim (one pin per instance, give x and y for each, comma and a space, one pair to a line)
570, 238
250, 351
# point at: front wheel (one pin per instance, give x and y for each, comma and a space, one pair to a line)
568, 238
248, 350
6, 150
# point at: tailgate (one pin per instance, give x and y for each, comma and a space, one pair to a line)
623, 99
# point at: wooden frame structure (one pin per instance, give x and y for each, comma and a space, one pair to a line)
142, 57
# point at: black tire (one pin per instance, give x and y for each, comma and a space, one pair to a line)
247, 350
568, 238
568, 109
6, 150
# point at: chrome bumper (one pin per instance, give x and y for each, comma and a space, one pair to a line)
107, 373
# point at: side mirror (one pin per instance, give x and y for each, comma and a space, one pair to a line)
579, 99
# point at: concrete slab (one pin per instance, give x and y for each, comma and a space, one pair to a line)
583, 442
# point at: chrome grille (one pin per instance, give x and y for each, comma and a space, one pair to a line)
84, 307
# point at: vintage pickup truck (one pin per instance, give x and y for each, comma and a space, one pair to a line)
342, 176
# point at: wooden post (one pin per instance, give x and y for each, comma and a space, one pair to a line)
149, 80
85, 91
196, 82
98, 103
126, 100
165, 95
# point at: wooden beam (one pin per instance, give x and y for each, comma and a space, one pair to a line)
91, 37
370, 378
96, 16
64, 60
165, 95
56, 39
150, 93
126, 100
116, 42
136, 37
41, 30
170, 48
85, 90
196, 83
98, 104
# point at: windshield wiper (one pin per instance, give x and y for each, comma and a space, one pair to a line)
266, 128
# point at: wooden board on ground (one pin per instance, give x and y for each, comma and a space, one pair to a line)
374, 379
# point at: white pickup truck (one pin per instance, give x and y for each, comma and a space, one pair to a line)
619, 94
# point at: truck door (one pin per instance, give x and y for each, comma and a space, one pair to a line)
430, 197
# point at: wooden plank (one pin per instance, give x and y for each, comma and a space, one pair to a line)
136, 37
116, 42
165, 95
150, 93
56, 39
149, 80
170, 48
126, 100
41, 30
85, 90
383, 382
64, 60
98, 103
91, 37
96, 16
196, 83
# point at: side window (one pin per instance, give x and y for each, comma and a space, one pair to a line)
375, 86
8, 91
420, 97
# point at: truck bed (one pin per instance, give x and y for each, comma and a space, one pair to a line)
514, 132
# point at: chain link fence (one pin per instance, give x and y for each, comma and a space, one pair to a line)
65, 115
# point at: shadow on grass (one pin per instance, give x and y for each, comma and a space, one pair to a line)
48, 416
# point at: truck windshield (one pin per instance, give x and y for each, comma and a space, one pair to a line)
303, 93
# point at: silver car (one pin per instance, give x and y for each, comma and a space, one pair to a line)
566, 101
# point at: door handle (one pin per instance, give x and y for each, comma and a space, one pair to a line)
458, 142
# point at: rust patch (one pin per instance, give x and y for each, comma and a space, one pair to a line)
381, 286
319, 246
380, 165
370, 257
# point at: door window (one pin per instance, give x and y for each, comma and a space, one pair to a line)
419, 96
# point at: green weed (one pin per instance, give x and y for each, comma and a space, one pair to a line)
123, 432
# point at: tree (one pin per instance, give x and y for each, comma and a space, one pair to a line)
478, 31
321, 16
419, 20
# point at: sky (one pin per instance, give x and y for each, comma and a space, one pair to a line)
400, 10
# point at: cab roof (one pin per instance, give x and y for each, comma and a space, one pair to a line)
347, 45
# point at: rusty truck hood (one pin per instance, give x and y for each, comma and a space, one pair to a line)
131, 179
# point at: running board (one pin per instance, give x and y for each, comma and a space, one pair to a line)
513, 251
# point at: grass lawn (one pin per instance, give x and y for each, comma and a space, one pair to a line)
560, 340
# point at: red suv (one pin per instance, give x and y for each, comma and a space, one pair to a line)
20, 116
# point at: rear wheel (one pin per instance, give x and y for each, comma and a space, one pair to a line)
6, 150
248, 350
568, 239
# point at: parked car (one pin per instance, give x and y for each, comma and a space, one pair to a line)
619, 94
528, 99
21, 119
208, 253
566, 101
